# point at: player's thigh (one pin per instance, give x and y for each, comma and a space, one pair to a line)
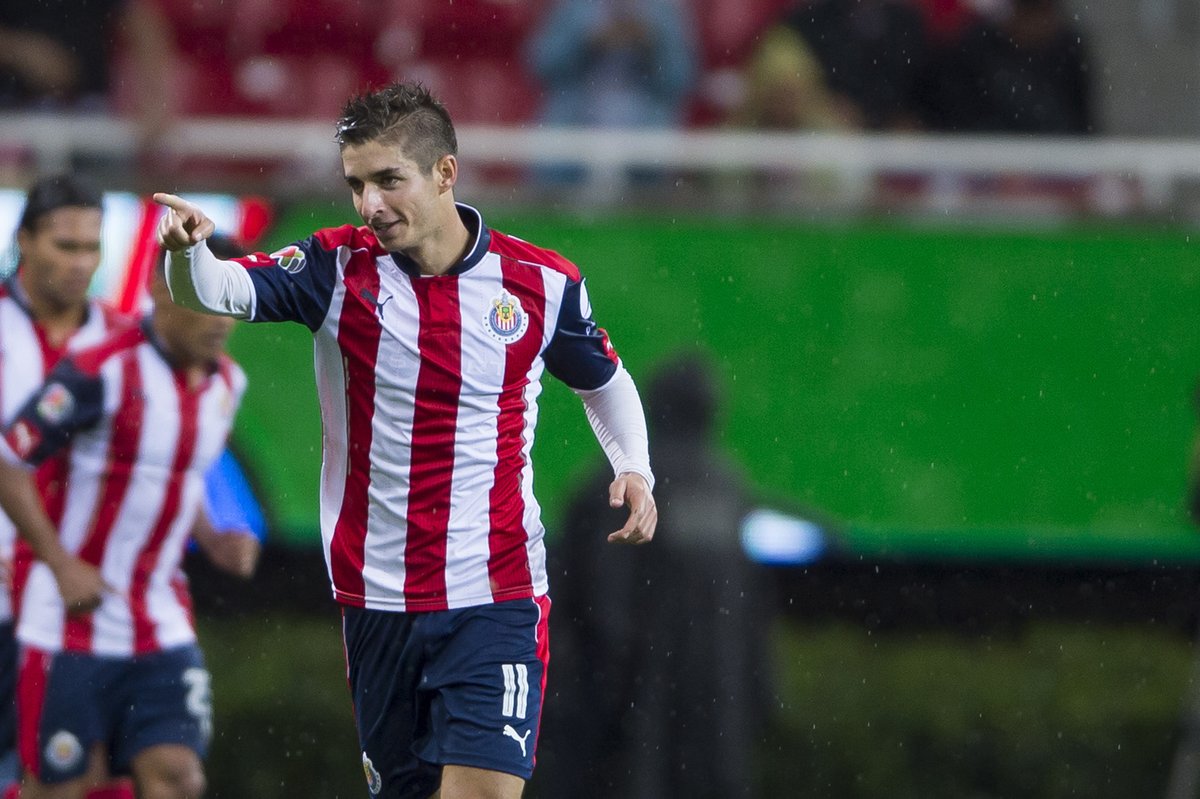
465, 782
168, 771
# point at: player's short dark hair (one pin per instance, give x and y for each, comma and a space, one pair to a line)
57, 191
404, 113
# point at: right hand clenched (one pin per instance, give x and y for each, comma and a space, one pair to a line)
183, 224
81, 586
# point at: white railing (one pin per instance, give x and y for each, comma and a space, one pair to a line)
851, 162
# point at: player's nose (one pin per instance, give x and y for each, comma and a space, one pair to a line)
372, 201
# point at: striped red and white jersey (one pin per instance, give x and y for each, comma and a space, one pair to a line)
26, 357
137, 441
428, 390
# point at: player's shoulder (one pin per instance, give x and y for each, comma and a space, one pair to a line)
92, 358
507, 245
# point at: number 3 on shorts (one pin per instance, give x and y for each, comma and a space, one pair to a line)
516, 690
199, 698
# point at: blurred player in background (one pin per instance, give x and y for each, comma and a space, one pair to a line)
431, 333
111, 670
44, 311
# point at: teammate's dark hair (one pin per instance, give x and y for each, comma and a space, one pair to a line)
403, 113
54, 192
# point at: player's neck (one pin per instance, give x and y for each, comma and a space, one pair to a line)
58, 322
443, 251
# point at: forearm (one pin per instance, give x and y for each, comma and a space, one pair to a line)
615, 414
200, 281
21, 503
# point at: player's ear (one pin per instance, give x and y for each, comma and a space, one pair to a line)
446, 171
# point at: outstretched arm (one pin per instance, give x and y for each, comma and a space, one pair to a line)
197, 279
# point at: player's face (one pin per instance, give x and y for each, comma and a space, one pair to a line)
191, 338
60, 256
403, 205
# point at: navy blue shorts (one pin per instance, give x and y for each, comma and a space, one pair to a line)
8, 687
128, 704
8, 706
455, 687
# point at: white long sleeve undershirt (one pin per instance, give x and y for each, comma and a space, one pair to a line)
199, 280
615, 413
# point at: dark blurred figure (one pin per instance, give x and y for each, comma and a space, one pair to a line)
1183, 781
661, 653
59, 55
1024, 71
873, 53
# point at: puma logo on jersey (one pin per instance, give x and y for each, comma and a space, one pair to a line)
511, 733
370, 297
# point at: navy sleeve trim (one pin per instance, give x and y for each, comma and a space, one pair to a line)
580, 353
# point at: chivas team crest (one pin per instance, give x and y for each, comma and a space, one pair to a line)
506, 321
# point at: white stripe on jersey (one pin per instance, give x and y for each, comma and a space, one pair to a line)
330, 372
396, 367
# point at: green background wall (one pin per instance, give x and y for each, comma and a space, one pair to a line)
947, 391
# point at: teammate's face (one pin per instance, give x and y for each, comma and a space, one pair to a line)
403, 205
60, 256
191, 338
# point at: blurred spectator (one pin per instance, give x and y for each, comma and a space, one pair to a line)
873, 52
1023, 70
785, 88
660, 651
58, 55
613, 63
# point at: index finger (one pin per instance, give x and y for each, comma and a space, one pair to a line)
172, 201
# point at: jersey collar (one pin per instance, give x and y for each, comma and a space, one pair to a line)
481, 241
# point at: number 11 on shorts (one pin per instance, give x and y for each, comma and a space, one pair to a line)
516, 690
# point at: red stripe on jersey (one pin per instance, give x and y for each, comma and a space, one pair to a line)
435, 423
189, 415
508, 562
358, 338
122, 455
31, 697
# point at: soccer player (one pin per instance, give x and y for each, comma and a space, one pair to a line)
106, 623
44, 312
431, 332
